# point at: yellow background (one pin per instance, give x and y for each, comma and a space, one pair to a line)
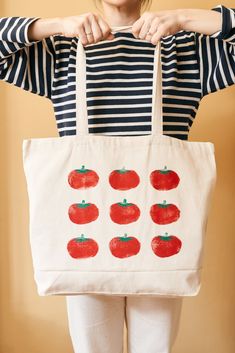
34, 324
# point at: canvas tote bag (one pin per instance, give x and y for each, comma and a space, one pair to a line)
118, 215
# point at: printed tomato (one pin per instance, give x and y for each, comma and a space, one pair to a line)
123, 179
83, 178
124, 212
165, 246
124, 246
163, 213
81, 213
82, 247
164, 179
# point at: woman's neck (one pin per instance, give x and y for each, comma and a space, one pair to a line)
122, 15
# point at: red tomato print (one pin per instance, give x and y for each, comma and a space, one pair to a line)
124, 246
165, 246
163, 213
124, 212
81, 213
83, 178
164, 179
123, 179
82, 248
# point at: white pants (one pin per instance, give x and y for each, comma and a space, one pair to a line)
96, 323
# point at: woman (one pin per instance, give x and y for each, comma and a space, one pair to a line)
198, 57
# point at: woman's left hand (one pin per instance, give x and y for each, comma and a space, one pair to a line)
152, 26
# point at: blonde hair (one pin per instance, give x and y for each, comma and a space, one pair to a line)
146, 4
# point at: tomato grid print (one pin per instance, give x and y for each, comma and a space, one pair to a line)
123, 212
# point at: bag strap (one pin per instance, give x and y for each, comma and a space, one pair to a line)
81, 100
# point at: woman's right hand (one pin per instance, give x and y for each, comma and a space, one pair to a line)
78, 26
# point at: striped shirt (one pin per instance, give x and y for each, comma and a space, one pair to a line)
119, 75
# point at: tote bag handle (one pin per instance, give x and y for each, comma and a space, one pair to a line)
81, 100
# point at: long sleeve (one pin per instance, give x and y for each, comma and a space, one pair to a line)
24, 63
216, 54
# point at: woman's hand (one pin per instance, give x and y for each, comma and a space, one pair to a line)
152, 26
89, 27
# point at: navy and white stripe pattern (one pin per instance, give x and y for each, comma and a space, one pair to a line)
119, 75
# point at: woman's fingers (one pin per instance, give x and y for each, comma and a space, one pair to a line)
89, 27
152, 26
82, 36
148, 18
136, 27
97, 32
106, 30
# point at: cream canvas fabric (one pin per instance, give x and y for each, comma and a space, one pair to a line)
118, 215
